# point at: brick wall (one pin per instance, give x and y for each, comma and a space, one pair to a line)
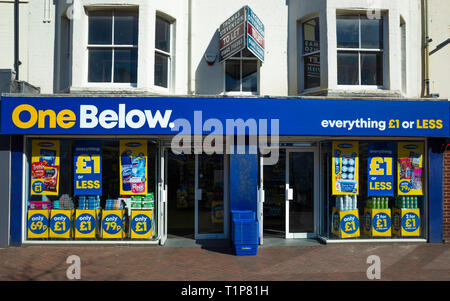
446, 201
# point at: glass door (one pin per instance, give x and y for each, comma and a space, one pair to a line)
210, 199
301, 193
162, 195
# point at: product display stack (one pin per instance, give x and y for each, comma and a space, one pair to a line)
141, 220
61, 218
345, 184
377, 217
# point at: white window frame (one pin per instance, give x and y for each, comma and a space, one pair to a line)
170, 67
240, 92
301, 79
359, 50
111, 84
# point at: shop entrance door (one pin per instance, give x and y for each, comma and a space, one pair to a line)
301, 192
211, 222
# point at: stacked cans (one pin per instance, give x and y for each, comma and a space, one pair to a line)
65, 202
146, 202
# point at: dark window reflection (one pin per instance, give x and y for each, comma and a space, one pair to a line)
347, 31
348, 73
100, 28
161, 70
125, 28
372, 69
125, 65
100, 63
162, 35
250, 76
371, 33
233, 75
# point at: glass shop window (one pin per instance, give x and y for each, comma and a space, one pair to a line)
360, 50
241, 73
311, 53
113, 46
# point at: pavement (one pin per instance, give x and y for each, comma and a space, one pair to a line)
308, 261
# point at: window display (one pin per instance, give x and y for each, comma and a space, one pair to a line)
389, 200
92, 189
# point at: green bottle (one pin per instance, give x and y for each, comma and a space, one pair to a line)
403, 202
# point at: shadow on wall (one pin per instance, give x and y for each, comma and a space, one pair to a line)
209, 80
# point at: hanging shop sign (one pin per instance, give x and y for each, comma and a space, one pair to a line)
380, 166
133, 167
189, 115
410, 168
243, 30
345, 176
87, 168
45, 167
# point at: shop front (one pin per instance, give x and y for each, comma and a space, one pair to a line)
141, 170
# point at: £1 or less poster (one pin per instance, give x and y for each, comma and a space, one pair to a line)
87, 168
345, 168
45, 167
380, 166
133, 167
410, 168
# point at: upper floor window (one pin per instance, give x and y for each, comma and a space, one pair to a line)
241, 73
113, 46
360, 50
163, 53
311, 53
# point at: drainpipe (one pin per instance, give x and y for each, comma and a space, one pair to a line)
16, 38
189, 50
427, 41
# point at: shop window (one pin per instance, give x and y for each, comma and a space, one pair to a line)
163, 53
113, 46
373, 190
360, 50
311, 53
241, 73
92, 189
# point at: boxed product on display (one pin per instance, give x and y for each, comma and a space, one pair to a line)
406, 222
86, 223
61, 222
39, 205
345, 224
113, 224
38, 222
377, 222
141, 224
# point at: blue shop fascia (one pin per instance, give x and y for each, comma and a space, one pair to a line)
141, 170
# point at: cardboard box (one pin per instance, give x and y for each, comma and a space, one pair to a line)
377, 222
345, 224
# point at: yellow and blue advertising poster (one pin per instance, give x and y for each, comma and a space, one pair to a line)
217, 212
61, 223
345, 224
141, 224
87, 168
345, 168
38, 223
86, 223
377, 222
410, 168
113, 224
133, 167
406, 222
45, 167
380, 166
